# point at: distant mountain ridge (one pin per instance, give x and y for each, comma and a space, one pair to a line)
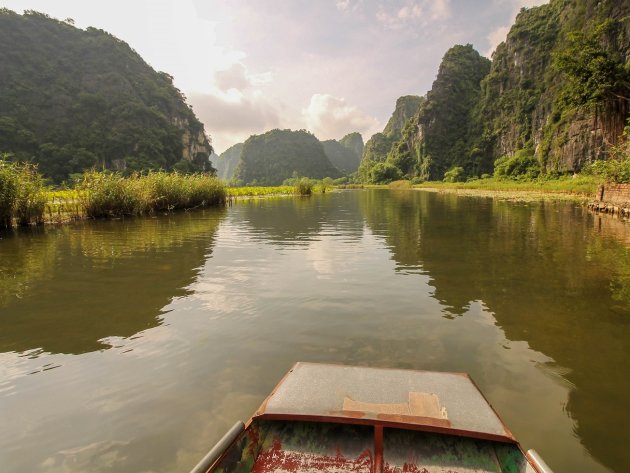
272, 157
344, 155
72, 99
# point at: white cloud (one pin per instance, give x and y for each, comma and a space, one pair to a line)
413, 13
330, 117
440, 9
233, 116
348, 5
238, 77
235, 106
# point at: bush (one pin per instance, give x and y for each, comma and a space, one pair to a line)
612, 170
522, 165
304, 186
384, 173
455, 174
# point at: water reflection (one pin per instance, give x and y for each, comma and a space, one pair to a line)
202, 313
298, 221
64, 290
547, 276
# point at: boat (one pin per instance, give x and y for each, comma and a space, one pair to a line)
335, 418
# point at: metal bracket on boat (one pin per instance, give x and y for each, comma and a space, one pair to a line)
220, 447
538, 462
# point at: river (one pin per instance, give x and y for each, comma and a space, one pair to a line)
131, 346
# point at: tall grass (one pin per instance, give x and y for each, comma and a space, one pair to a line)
254, 191
304, 186
22, 194
580, 185
105, 194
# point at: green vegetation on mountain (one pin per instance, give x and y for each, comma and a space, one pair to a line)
438, 138
354, 142
555, 98
379, 145
345, 154
558, 87
272, 157
73, 99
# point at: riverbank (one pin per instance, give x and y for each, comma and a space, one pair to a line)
578, 188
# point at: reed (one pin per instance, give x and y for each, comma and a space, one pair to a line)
8, 193
304, 186
31, 196
22, 194
254, 191
400, 185
104, 194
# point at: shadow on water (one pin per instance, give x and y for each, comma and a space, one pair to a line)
550, 273
66, 289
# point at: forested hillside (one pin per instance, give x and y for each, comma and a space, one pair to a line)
555, 98
73, 99
272, 157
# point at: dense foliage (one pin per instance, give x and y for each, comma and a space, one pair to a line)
74, 99
272, 157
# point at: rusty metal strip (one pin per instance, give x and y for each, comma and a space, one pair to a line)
388, 424
505, 428
378, 449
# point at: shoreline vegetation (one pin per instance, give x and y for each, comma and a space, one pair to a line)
579, 188
26, 200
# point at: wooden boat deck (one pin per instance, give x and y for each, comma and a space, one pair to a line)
331, 418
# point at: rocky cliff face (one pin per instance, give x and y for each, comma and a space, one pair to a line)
527, 98
379, 145
406, 107
440, 134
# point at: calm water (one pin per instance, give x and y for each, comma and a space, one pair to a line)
132, 346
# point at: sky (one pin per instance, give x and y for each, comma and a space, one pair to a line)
328, 66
